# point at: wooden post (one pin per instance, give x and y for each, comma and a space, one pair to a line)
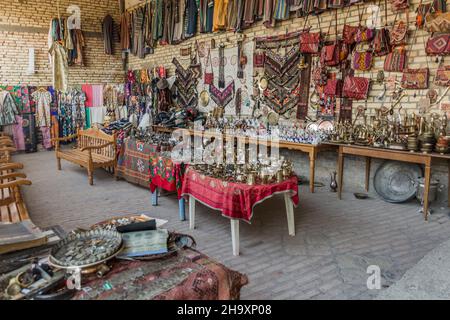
427, 188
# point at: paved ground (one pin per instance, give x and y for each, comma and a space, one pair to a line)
336, 240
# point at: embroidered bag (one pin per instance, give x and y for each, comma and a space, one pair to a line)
437, 22
344, 50
442, 77
310, 41
362, 60
356, 88
438, 45
196, 66
415, 78
395, 61
398, 5
349, 33
209, 76
259, 58
381, 42
333, 87
399, 34
335, 4
329, 55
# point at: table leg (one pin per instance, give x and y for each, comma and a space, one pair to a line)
155, 198
235, 236
340, 173
181, 209
368, 163
312, 170
290, 214
426, 191
191, 213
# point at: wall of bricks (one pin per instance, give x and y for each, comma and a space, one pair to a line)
25, 24
417, 58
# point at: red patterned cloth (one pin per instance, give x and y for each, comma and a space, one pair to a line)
234, 200
188, 275
166, 175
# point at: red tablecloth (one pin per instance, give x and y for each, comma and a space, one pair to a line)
234, 200
166, 175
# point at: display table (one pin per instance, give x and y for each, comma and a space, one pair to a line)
310, 149
187, 275
386, 154
140, 163
236, 201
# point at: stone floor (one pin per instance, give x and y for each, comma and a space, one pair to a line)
336, 240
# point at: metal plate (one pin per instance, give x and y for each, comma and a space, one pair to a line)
396, 182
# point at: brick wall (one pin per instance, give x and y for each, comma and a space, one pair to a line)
25, 24
417, 58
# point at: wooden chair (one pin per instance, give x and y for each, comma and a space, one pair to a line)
12, 206
95, 149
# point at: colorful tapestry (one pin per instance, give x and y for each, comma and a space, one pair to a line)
134, 160
188, 275
29, 132
234, 200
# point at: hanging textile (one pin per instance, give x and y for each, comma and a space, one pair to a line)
43, 100
29, 132
60, 67
8, 108
108, 34
125, 27
206, 15
191, 18
178, 30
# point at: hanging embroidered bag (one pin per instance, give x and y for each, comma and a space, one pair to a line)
438, 45
442, 77
330, 54
381, 43
395, 61
437, 22
398, 5
362, 60
356, 88
310, 41
196, 66
399, 34
333, 88
209, 76
415, 78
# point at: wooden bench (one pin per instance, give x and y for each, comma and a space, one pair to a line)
95, 149
12, 206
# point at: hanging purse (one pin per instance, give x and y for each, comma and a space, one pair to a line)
335, 4
398, 34
442, 77
395, 61
356, 88
398, 5
310, 41
415, 78
209, 76
196, 66
437, 22
381, 41
348, 32
362, 60
330, 54
333, 88
438, 45
259, 58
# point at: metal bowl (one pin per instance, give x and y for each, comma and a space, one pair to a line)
396, 182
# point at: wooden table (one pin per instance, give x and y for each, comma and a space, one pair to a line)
387, 154
310, 149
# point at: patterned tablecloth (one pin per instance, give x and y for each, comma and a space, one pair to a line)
188, 275
234, 200
134, 159
142, 164
166, 175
